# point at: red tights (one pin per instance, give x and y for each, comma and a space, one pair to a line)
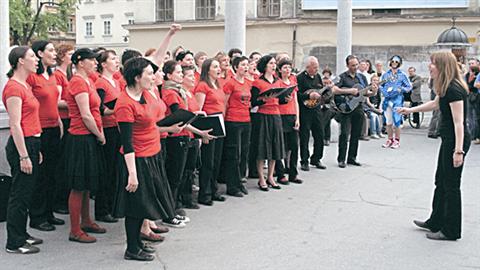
79, 205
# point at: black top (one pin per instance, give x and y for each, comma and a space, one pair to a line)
455, 92
471, 83
306, 82
347, 81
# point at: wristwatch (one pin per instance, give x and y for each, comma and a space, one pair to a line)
459, 152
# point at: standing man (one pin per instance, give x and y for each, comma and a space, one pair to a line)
416, 96
351, 123
393, 91
310, 119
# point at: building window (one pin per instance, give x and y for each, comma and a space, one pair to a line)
70, 25
107, 29
164, 10
268, 8
205, 9
88, 29
386, 11
131, 21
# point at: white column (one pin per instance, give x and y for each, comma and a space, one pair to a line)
4, 44
235, 24
344, 33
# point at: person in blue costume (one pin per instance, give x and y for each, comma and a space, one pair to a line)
397, 84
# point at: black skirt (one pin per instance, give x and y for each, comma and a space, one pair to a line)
153, 199
84, 162
269, 137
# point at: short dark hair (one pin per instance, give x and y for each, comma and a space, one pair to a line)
129, 54
414, 69
187, 68
133, 68
262, 63
181, 55
102, 58
327, 70
237, 60
254, 53
205, 69
169, 68
350, 57
14, 56
37, 46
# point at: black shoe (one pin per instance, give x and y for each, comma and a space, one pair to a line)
424, 225
55, 221
262, 188
439, 236
107, 219
319, 165
61, 211
25, 249
139, 256
207, 203
34, 241
147, 248
244, 190
45, 227
342, 164
235, 194
304, 167
219, 198
191, 205
432, 136
283, 181
276, 186
296, 181
354, 163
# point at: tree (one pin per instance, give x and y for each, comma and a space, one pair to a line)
28, 22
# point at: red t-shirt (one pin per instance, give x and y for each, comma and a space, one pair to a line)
77, 86
171, 97
117, 75
111, 93
289, 108
214, 98
159, 107
271, 105
62, 81
30, 120
238, 104
145, 135
46, 92
197, 77
94, 76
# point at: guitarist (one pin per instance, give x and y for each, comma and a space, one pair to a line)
310, 119
393, 92
353, 121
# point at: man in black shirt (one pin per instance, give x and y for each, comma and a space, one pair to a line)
352, 121
310, 119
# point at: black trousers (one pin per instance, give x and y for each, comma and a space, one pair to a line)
211, 155
21, 191
289, 165
416, 115
328, 114
177, 150
107, 188
252, 153
447, 204
235, 153
186, 196
43, 197
350, 124
62, 191
311, 121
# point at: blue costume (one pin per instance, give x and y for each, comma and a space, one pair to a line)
392, 91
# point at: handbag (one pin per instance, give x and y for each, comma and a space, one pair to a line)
5, 185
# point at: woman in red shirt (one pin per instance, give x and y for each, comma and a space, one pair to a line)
44, 88
108, 89
237, 125
224, 62
62, 73
267, 133
84, 161
211, 100
141, 179
289, 111
23, 148
200, 57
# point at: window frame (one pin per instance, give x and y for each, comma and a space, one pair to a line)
168, 10
107, 24
205, 10
87, 34
268, 13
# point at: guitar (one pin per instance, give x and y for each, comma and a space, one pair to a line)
347, 103
325, 93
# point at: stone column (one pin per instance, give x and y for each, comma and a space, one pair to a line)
4, 44
344, 32
235, 24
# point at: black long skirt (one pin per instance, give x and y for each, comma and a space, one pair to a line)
153, 199
84, 163
269, 137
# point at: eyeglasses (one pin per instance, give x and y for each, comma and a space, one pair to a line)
395, 61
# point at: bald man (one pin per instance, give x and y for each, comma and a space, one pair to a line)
311, 120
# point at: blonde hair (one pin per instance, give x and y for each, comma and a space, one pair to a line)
448, 72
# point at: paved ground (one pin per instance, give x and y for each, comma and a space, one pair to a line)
354, 218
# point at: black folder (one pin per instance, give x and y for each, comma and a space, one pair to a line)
176, 117
275, 92
215, 122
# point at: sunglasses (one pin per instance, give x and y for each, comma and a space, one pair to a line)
395, 61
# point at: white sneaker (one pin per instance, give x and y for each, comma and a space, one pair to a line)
183, 219
174, 223
375, 136
388, 143
381, 135
395, 144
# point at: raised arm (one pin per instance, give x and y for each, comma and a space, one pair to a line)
159, 55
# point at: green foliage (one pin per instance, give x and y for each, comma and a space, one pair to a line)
27, 23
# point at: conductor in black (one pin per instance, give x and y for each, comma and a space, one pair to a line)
353, 121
